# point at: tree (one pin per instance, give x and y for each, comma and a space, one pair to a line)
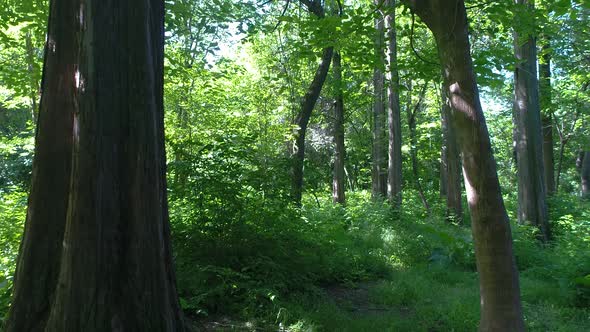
450, 166
583, 164
378, 171
546, 115
338, 183
307, 105
412, 115
532, 207
96, 253
499, 288
394, 169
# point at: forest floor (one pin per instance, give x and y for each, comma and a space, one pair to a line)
354, 299
357, 270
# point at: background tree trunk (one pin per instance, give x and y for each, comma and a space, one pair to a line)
532, 208
338, 183
546, 119
499, 288
116, 270
394, 166
585, 174
451, 170
39, 259
412, 114
378, 169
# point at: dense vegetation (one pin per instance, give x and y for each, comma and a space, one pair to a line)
246, 256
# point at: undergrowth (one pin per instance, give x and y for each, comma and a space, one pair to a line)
272, 264
262, 261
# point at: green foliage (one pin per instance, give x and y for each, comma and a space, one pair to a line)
12, 216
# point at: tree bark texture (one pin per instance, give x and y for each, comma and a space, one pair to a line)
585, 174
338, 181
451, 170
394, 165
302, 120
378, 169
499, 288
546, 117
532, 208
115, 263
39, 258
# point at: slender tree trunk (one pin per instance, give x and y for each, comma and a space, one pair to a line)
302, 120
585, 174
451, 162
38, 263
412, 118
546, 120
532, 208
378, 169
442, 190
307, 105
338, 182
394, 169
499, 288
562, 144
115, 263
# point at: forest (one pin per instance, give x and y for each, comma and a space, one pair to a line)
295, 165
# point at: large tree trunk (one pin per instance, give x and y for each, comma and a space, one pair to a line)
451, 169
499, 289
585, 174
302, 120
116, 270
532, 208
378, 169
39, 259
546, 119
338, 184
394, 165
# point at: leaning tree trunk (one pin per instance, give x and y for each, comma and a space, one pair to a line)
307, 105
114, 258
394, 169
546, 118
532, 208
338, 183
499, 289
302, 120
378, 170
39, 259
451, 169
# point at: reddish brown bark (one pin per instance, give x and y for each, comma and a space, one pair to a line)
40, 251
114, 255
499, 288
